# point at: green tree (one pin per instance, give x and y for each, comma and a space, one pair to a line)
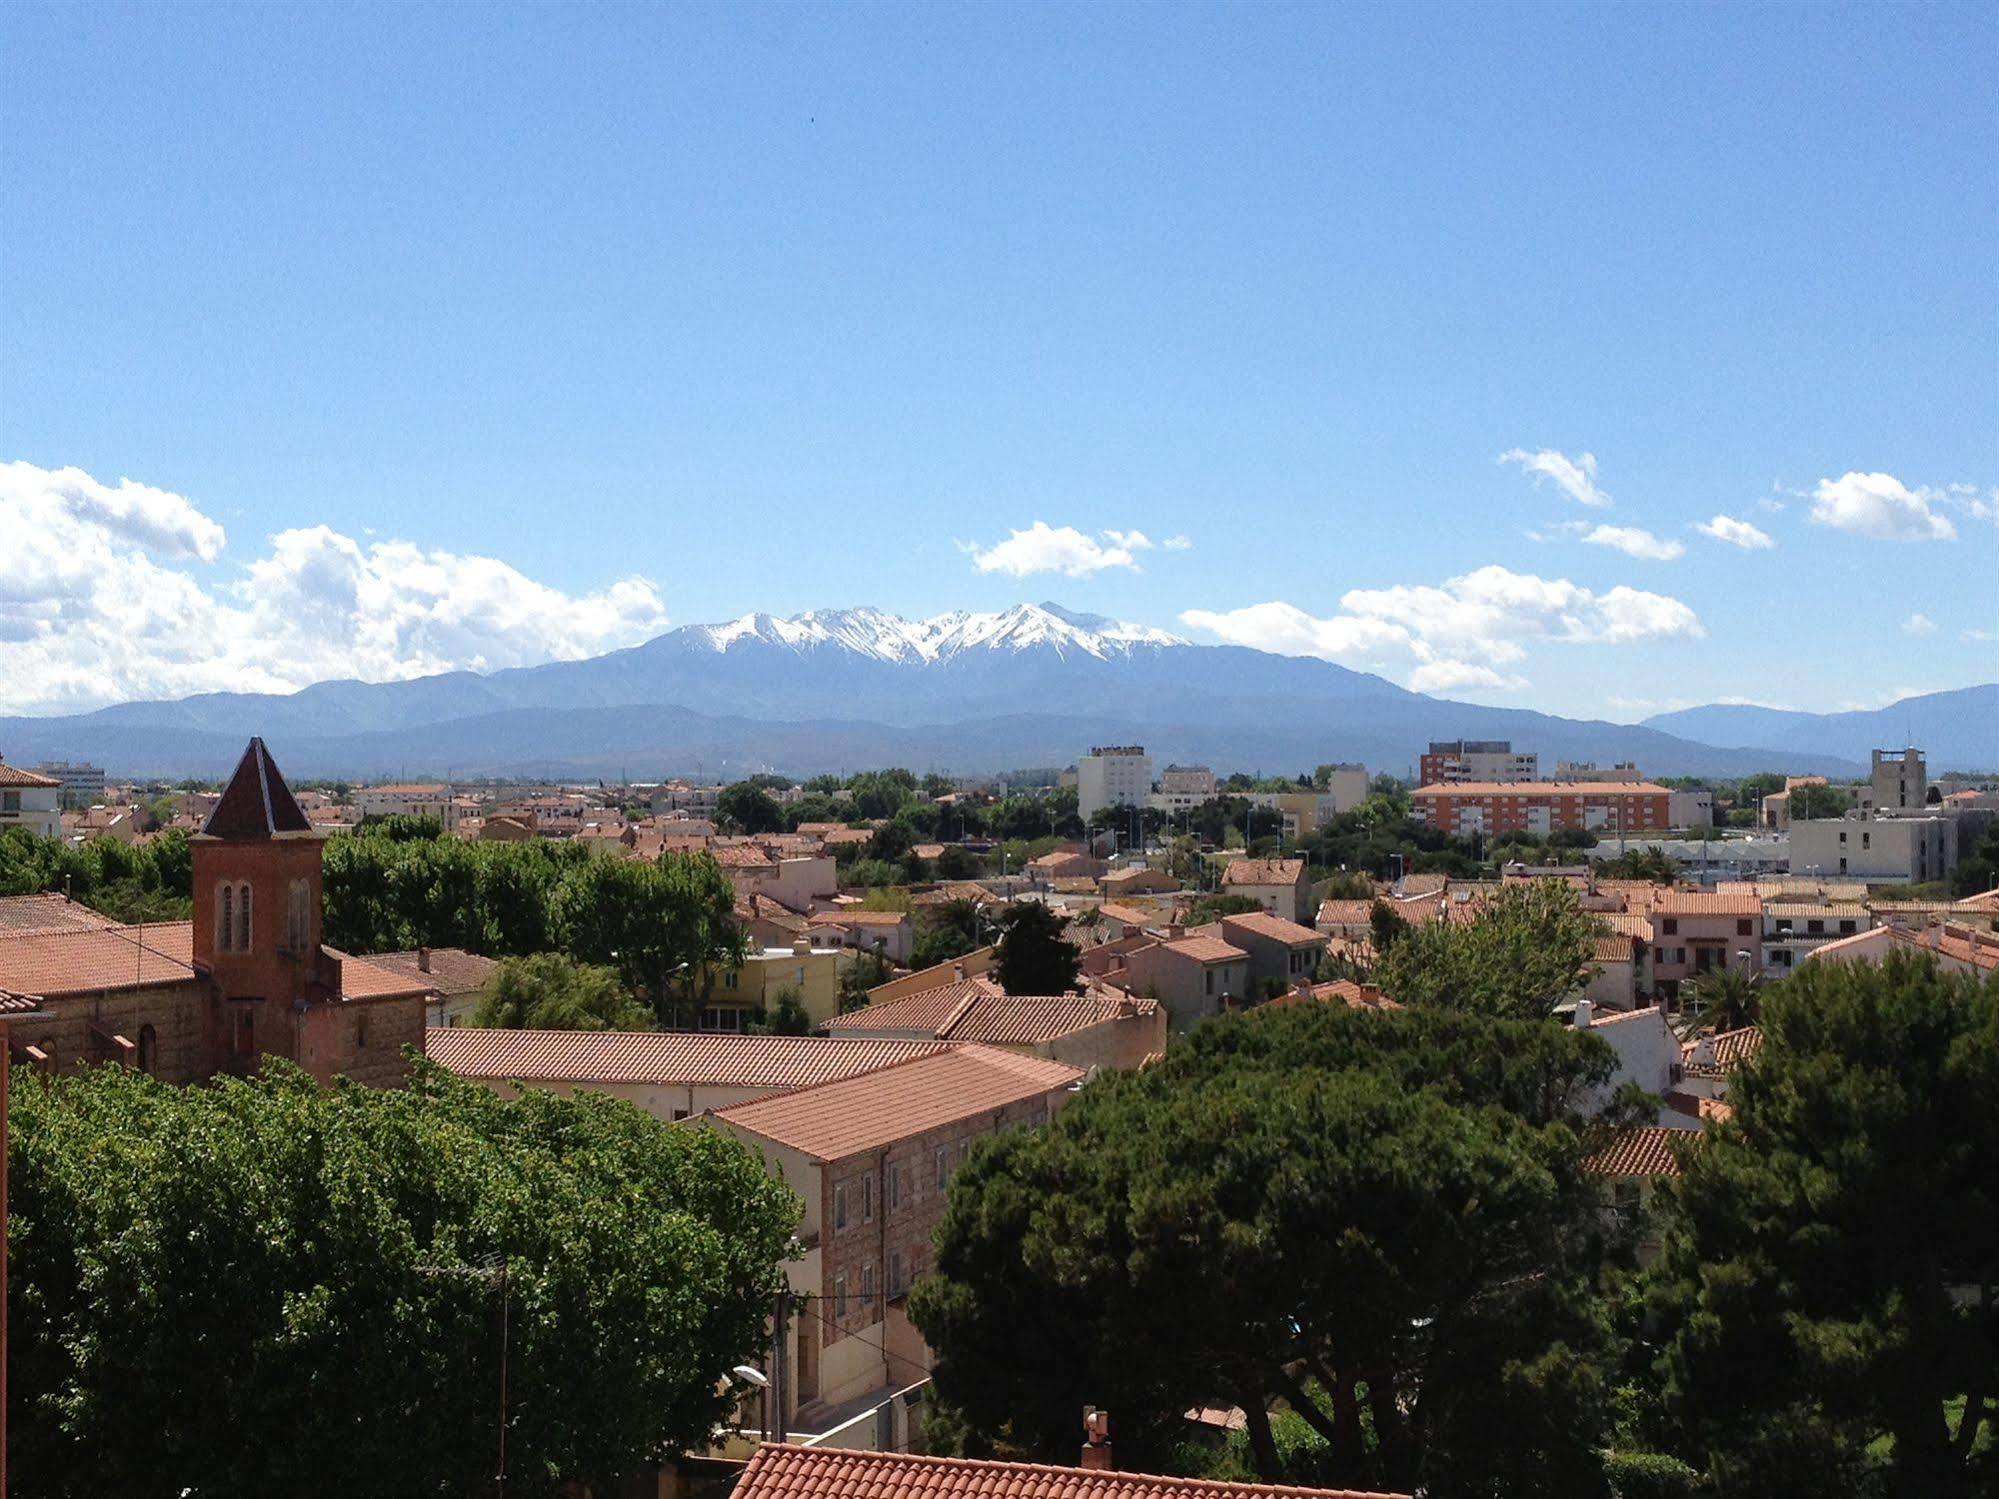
551, 992
748, 808
1807, 803
867, 971
1386, 926
1832, 1254
787, 1015
950, 931
1526, 950
664, 926
192, 1265
1724, 998
1034, 957
1378, 1220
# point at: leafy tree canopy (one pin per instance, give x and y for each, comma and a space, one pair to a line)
747, 808
548, 991
1034, 957
269, 1287
1832, 1263
1528, 949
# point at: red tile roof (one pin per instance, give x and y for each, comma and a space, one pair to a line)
780, 1471
13, 775
976, 1011
830, 1121
1273, 928
361, 979
1702, 903
453, 970
1205, 949
1354, 995
22, 914
662, 1057
857, 917
1263, 872
1728, 1049
57, 963
1639, 1150
1345, 912
1615, 947
741, 856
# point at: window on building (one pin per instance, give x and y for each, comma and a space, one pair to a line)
10, 801
1846, 929
244, 1039
1814, 928
1842, 860
895, 1280
1742, 928
1867, 840
298, 916
1208, 979
839, 1207
242, 918
149, 1047
868, 1197
225, 919
840, 1295
868, 1287
1672, 927
360, 1029
894, 1186
943, 1166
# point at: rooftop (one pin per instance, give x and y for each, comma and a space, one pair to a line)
1701, 903
1263, 872
13, 775
1274, 928
452, 970
1636, 1150
87, 960
1540, 788
662, 1057
781, 1471
977, 1011
1204, 949
832, 1120
256, 803
22, 914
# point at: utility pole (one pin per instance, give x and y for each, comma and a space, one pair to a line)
774, 1425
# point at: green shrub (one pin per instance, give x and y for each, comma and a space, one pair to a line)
1650, 1475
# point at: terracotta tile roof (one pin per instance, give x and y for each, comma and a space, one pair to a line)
1705, 903
1128, 915
256, 803
1263, 872
1615, 947
1345, 912
1986, 901
1600, 1018
1353, 995
1626, 923
362, 979
833, 1120
1719, 1054
858, 918
1272, 928
14, 775
1637, 1150
840, 836
662, 1057
780, 1471
453, 970
53, 964
1205, 949
741, 856
22, 914
975, 1010
17, 1004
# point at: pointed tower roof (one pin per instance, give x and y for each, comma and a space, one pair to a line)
256, 803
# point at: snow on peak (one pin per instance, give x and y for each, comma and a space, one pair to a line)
889, 637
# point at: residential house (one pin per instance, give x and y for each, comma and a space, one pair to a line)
890, 934
1066, 864
1281, 952
968, 965
871, 1156
1648, 1054
1792, 928
1084, 1030
1955, 947
407, 799
669, 1074
1349, 919
1137, 880
1620, 972
508, 827
1194, 977
734, 996
1695, 931
457, 979
1280, 886
29, 799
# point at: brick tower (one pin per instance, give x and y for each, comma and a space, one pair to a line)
256, 914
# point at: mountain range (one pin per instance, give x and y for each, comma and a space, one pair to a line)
846, 689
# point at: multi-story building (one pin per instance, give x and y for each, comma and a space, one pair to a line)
82, 784
1901, 781
1452, 761
1348, 786
406, 799
1690, 809
1794, 929
1187, 780
31, 800
1608, 808
1589, 770
1897, 850
871, 1157
1283, 887
1694, 932
1193, 977
1112, 775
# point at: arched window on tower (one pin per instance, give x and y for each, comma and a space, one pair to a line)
149, 1046
243, 918
298, 917
225, 919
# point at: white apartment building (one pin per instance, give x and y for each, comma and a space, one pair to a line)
1347, 786
1454, 761
1887, 850
403, 799
1112, 775
1187, 780
29, 800
82, 785
1589, 770
1690, 809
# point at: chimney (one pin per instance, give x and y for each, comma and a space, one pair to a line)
800, 946
1175, 931
1583, 1014
958, 972
1096, 1440
423, 960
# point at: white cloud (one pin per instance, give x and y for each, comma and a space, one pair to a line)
1634, 541
1575, 477
1976, 635
1880, 506
1737, 533
1043, 548
90, 613
1178, 543
1457, 633
1919, 624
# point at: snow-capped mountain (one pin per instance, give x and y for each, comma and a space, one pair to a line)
836, 689
889, 637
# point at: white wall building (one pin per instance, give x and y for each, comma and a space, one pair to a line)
1347, 786
29, 800
1187, 780
1117, 775
82, 785
1901, 781
1690, 809
1898, 850
402, 799
1450, 762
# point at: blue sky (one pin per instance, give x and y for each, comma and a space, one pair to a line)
474, 336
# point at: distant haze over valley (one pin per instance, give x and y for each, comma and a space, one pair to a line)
1036, 684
